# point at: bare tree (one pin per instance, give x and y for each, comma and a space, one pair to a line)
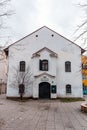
21, 79
4, 12
81, 31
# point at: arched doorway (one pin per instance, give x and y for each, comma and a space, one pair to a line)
44, 90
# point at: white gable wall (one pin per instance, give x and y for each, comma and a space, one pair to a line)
66, 51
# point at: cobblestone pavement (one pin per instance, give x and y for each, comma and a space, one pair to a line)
41, 115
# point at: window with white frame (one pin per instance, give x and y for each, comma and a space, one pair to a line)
43, 65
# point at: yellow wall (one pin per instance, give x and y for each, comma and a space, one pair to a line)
84, 71
84, 81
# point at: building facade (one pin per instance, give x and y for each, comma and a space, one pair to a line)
47, 64
3, 71
84, 74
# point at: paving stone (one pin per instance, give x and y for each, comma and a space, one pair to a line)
41, 115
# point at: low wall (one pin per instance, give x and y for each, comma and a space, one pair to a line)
84, 107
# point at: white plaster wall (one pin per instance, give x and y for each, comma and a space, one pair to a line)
74, 77
66, 51
51, 63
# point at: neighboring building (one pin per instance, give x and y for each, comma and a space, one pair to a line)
47, 64
3, 71
84, 66
84, 74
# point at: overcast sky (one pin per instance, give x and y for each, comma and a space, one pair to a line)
60, 15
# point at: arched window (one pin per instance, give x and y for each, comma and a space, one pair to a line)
67, 66
43, 65
22, 66
68, 88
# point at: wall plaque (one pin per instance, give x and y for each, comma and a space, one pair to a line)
45, 79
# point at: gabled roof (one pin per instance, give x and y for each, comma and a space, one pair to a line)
52, 53
82, 50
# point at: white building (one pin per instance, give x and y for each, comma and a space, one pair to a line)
48, 64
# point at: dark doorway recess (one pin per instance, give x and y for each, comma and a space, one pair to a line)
44, 90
